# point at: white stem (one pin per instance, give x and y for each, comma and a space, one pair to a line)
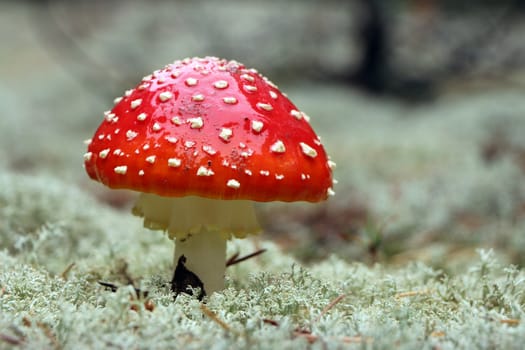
201, 227
205, 254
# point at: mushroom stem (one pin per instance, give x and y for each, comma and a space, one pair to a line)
200, 226
205, 254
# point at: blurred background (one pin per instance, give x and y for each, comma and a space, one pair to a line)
421, 103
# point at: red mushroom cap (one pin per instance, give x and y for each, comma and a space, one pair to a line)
211, 128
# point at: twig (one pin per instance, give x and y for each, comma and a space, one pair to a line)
108, 285
215, 318
412, 293
306, 334
49, 334
312, 338
113, 287
26, 321
271, 322
510, 321
232, 258
437, 334
11, 339
356, 339
330, 306
235, 259
65, 273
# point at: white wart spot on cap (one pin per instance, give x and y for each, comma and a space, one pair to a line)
269, 82
203, 171
196, 123
264, 173
246, 154
309, 151
174, 162
151, 159
141, 172
171, 139
230, 100
220, 84
279, 176
209, 149
264, 106
330, 192
331, 164
189, 144
247, 77
225, 134
191, 81
305, 116
250, 88
110, 116
128, 93
135, 103
104, 153
273, 95
87, 156
142, 116
197, 98
165, 95
278, 147
296, 114
176, 121
130, 135
232, 183
257, 126
122, 169
117, 100
156, 127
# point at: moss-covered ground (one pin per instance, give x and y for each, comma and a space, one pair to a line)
58, 242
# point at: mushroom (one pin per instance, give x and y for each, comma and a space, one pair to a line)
201, 139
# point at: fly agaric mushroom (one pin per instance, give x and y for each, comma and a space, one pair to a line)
201, 139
